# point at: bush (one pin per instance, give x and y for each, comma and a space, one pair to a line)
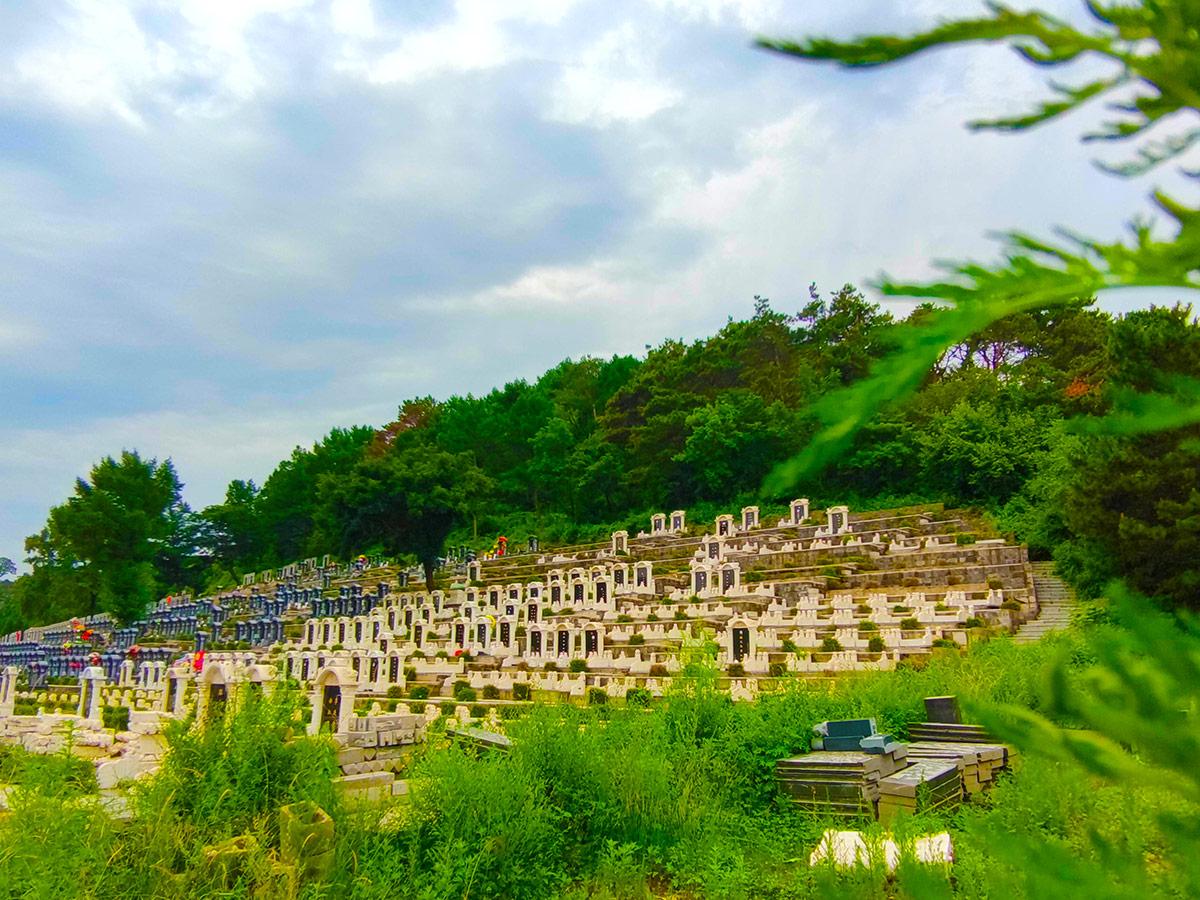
896, 610
1010, 604
941, 607
973, 622
864, 609
446, 707
522, 691
550, 667
419, 692
410, 673
507, 713
395, 691
477, 711
680, 616
417, 709
876, 645
115, 717
652, 618
789, 646
777, 670
946, 643
637, 639
995, 584
909, 624
463, 692
491, 692
596, 696
577, 665
624, 620
638, 696
831, 645
964, 539
867, 626
736, 670
441, 654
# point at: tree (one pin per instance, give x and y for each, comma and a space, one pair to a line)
7, 566
233, 531
405, 501
106, 541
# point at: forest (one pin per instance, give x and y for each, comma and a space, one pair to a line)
1000, 423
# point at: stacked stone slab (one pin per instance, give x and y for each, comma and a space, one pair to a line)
926, 786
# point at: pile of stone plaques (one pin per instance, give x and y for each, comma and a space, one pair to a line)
949, 731
977, 763
841, 778
928, 785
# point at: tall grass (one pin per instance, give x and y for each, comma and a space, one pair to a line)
612, 802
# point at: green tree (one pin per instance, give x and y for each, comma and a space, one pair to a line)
107, 539
405, 501
234, 531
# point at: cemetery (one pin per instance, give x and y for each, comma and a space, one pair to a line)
378, 660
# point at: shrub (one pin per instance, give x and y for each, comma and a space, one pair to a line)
446, 707
876, 645
637, 639
995, 583
953, 579
336, 647
463, 692
417, 709
491, 692
867, 626
947, 643
596, 696
658, 671
777, 670
577, 665
522, 691
831, 645
964, 539
395, 691
115, 717
623, 619
909, 624
550, 667
477, 711
441, 654
417, 654
754, 577
736, 670
789, 646
509, 712
974, 622
1010, 604
638, 696
652, 618
864, 609
900, 609
667, 601
912, 582
410, 673
680, 616
941, 607
419, 692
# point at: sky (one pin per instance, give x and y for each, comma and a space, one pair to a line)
228, 226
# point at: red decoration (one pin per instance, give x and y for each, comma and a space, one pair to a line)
198, 660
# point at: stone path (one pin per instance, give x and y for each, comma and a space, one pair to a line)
1056, 599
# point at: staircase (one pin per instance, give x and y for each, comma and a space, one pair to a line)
1056, 600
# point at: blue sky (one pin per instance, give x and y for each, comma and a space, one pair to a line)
227, 226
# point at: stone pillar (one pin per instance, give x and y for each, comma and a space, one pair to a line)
90, 684
8, 689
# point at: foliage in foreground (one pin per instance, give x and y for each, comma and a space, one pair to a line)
626, 802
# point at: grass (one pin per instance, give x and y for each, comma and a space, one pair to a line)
613, 801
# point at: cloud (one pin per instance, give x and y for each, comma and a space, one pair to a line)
226, 227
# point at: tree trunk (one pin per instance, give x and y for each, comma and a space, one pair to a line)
429, 570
